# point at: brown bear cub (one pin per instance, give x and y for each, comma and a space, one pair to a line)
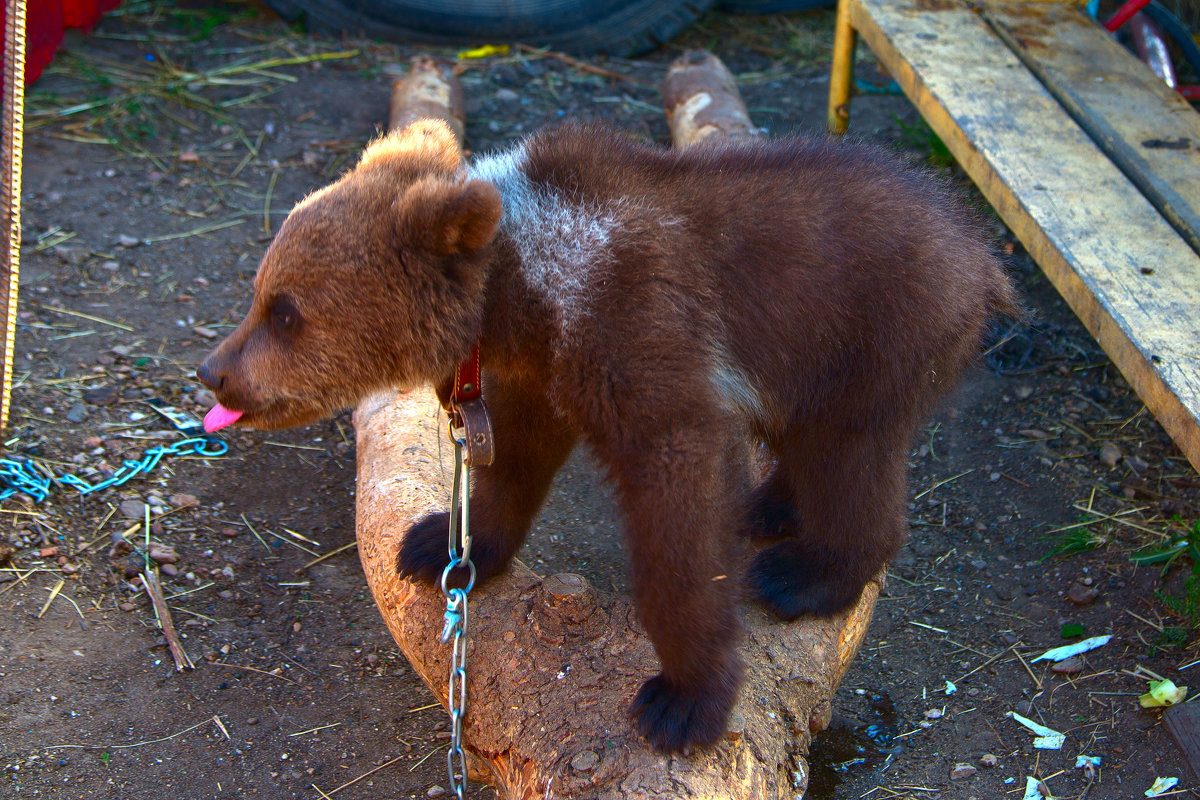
663, 307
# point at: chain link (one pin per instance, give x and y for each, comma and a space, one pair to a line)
455, 629
36, 480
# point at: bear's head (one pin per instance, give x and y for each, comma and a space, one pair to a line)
374, 281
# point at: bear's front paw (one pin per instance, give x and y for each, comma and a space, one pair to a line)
423, 552
791, 585
675, 720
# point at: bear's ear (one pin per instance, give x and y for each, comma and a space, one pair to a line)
449, 216
425, 144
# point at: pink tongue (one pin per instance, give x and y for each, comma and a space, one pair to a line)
219, 417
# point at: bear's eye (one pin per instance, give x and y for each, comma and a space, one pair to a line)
284, 315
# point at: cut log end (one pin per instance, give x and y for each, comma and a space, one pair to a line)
702, 102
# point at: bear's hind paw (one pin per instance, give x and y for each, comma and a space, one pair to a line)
793, 586
770, 517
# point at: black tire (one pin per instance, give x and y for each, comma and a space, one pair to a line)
773, 6
1178, 32
616, 27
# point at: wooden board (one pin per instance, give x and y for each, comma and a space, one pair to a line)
1144, 127
1129, 276
1183, 721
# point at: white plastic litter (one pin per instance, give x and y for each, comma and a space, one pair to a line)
1047, 738
1162, 786
1089, 765
1066, 651
1033, 790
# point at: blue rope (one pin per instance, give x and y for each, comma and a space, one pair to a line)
866, 87
24, 476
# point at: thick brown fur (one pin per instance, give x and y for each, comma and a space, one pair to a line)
662, 306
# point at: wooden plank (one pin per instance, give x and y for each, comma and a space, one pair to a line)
1131, 279
1183, 721
1146, 128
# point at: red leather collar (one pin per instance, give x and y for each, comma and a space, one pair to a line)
467, 384
465, 407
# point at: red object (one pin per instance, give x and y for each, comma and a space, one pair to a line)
467, 378
1124, 13
45, 21
1190, 92
85, 13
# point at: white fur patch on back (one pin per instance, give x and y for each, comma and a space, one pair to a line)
735, 390
563, 247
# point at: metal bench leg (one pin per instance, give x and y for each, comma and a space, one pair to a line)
841, 74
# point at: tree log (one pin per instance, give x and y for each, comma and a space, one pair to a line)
553, 663
429, 90
701, 99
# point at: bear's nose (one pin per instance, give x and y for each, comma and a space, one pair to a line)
206, 375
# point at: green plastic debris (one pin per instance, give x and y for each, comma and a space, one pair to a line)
1162, 694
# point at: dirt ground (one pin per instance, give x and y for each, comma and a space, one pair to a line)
165, 148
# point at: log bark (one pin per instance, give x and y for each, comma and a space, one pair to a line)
702, 100
429, 90
553, 662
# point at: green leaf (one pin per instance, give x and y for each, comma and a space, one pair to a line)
1072, 630
1159, 556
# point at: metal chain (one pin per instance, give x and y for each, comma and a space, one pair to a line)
11, 140
456, 615
36, 481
